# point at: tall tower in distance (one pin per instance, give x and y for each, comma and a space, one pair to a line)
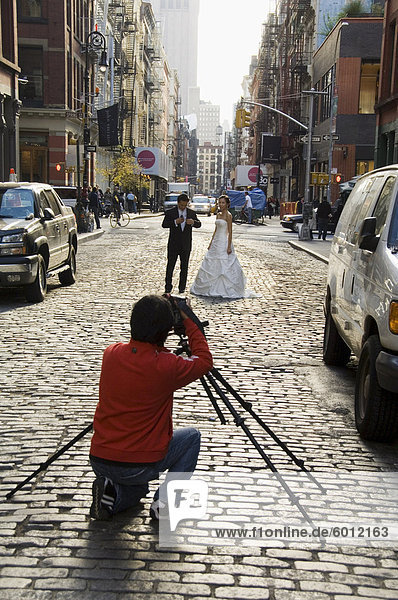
179, 24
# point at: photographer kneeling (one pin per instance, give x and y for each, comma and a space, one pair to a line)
133, 440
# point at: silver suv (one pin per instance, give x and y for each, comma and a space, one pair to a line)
38, 238
361, 307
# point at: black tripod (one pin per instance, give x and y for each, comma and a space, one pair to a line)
212, 378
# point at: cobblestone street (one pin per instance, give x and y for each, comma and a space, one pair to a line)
269, 348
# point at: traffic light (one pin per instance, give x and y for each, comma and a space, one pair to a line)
242, 118
245, 118
239, 118
337, 178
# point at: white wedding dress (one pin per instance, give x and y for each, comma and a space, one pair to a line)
220, 273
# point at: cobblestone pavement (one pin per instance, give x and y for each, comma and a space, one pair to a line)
267, 347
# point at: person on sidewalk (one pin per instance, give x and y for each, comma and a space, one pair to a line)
248, 207
133, 440
131, 203
116, 206
94, 205
324, 213
180, 221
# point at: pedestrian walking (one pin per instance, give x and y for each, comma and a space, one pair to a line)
180, 221
270, 208
248, 206
299, 205
324, 213
94, 205
132, 207
133, 440
116, 207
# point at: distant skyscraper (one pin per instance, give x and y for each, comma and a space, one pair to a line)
208, 121
179, 22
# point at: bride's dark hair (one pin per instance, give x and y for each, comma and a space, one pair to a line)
226, 198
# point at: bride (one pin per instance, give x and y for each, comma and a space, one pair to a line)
220, 273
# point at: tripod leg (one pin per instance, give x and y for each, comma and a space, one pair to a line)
213, 400
248, 407
239, 421
50, 460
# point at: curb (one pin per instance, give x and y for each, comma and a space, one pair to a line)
298, 246
82, 238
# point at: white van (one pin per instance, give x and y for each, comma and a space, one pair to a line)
361, 306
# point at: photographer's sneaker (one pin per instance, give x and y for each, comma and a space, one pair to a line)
158, 510
104, 495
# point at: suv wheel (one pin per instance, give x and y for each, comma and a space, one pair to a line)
335, 350
36, 291
68, 277
376, 409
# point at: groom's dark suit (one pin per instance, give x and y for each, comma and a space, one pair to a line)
180, 243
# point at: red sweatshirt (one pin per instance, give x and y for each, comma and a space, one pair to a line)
133, 418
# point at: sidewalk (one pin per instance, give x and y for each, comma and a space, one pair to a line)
92, 235
319, 249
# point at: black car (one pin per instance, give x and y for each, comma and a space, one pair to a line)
291, 222
38, 238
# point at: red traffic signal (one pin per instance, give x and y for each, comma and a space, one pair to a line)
58, 167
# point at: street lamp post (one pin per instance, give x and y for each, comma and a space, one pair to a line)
95, 41
333, 108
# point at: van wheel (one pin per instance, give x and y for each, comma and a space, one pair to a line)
68, 277
36, 291
376, 409
335, 350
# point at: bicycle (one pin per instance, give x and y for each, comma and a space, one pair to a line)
123, 221
240, 216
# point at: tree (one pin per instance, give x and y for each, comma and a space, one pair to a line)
126, 172
353, 8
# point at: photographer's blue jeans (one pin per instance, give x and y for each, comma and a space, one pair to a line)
131, 483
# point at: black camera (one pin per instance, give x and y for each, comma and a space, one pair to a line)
176, 303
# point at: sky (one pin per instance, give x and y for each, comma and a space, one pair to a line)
229, 34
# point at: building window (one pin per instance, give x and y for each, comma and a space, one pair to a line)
31, 63
30, 9
369, 87
326, 100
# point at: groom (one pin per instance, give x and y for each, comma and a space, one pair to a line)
180, 221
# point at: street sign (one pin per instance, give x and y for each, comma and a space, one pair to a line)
319, 178
315, 139
263, 180
274, 180
91, 148
326, 136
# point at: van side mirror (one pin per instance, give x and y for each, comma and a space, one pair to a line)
368, 239
48, 214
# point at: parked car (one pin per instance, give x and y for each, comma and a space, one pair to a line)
38, 238
291, 222
67, 193
201, 205
361, 305
170, 201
